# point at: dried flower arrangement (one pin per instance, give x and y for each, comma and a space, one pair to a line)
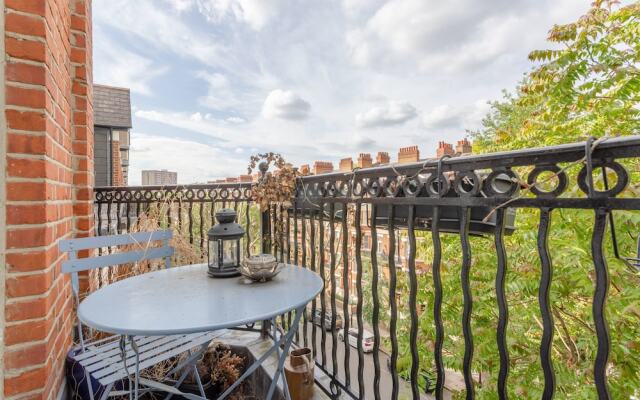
273, 187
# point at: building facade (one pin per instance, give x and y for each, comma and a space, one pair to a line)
112, 126
159, 177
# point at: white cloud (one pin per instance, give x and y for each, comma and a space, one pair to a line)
390, 114
284, 104
255, 13
233, 94
356, 7
157, 152
446, 117
180, 5
453, 35
235, 120
117, 66
160, 29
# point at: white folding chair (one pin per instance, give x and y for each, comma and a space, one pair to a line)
116, 358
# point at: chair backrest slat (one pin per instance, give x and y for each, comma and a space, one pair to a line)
142, 251
96, 242
84, 264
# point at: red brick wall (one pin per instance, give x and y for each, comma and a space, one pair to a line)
116, 164
49, 152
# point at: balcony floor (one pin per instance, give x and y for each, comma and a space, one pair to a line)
257, 346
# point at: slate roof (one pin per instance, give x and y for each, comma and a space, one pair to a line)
112, 106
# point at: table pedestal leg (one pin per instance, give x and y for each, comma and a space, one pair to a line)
284, 340
285, 351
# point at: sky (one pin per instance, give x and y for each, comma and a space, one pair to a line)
215, 81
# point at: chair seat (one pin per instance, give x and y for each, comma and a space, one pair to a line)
103, 359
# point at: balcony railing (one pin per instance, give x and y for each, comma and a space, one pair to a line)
442, 209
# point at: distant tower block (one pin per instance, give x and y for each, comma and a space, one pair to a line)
364, 160
444, 148
463, 147
408, 155
346, 165
383, 158
322, 167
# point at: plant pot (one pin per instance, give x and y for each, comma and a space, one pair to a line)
192, 388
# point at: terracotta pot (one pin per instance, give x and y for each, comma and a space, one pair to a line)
298, 369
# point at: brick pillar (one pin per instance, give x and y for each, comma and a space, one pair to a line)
463, 147
364, 160
346, 165
116, 164
322, 167
408, 154
383, 158
304, 169
444, 148
47, 183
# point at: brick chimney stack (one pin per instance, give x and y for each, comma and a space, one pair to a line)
304, 169
245, 178
463, 147
444, 148
364, 160
322, 167
408, 154
231, 180
383, 158
346, 165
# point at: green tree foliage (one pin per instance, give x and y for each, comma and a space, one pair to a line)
587, 85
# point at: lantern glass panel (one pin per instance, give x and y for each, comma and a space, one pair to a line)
230, 253
213, 253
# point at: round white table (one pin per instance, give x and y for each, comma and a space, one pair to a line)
182, 300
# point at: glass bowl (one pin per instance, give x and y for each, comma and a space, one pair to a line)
260, 268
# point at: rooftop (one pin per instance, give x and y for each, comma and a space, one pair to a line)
112, 106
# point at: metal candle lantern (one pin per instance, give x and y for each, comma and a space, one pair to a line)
225, 248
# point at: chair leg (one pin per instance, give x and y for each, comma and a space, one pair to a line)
179, 382
198, 381
89, 385
107, 390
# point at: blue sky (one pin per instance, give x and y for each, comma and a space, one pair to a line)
214, 81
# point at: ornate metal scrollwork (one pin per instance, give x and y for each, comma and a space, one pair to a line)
437, 186
502, 183
392, 186
358, 187
412, 186
622, 179
375, 187
467, 184
560, 176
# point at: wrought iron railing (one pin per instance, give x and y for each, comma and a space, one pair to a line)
188, 209
333, 215
468, 195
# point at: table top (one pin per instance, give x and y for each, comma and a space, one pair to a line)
185, 300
